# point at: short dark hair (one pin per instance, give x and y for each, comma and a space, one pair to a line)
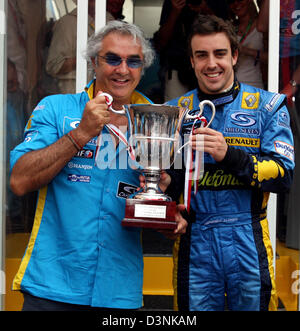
210, 24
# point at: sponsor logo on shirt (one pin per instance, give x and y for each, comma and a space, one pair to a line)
30, 136
250, 100
74, 124
269, 106
73, 165
244, 142
70, 122
85, 154
215, 179
243, 119
186, 102
244, 123
79, 178
284, 149
125, 190
92, 142
283, 119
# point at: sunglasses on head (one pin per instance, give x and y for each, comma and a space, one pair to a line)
116, 60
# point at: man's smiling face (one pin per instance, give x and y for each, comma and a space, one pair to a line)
121, 80
213, 62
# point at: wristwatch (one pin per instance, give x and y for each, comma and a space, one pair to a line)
293, 83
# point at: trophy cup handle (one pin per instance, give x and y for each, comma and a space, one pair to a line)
109, 101
124, 112
202, 104
213, 110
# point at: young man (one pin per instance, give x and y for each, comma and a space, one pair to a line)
79, 255
226, 253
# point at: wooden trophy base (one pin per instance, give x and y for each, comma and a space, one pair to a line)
153, 214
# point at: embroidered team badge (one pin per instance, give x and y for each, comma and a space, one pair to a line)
186, 102
250, 100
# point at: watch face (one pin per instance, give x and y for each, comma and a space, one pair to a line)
293, 82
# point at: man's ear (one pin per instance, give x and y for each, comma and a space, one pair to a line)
235, 57
94, 62
192, 62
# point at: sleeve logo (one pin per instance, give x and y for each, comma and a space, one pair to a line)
284, 149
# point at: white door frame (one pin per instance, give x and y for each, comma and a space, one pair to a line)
273, 85
82, 37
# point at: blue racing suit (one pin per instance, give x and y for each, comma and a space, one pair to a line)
78, 251
226, 252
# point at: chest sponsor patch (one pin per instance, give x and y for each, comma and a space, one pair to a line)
85, 154
243, 123
284, 149
242, 141
125, 190
186, 102
250, 100
79, 178
216, 179
72, 165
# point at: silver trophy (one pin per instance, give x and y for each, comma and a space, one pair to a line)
154, 139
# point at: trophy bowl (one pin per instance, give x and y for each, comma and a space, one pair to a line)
154, 132
154, 138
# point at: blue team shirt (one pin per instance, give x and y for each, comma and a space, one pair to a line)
78, 251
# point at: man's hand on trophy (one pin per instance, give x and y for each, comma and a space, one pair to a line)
142, 182
164, 182
181, 224
210, 141
95, 116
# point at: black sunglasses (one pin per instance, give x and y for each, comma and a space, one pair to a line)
116, 60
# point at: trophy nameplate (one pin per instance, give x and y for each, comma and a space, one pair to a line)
150, 214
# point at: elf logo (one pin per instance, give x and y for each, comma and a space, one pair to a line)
85, 154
